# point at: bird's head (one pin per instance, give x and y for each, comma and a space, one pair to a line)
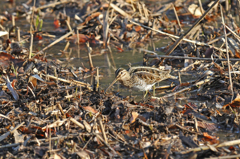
120, 74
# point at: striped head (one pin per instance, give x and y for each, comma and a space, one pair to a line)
120, 75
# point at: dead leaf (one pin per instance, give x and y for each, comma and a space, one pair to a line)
135, 115
90, 109
234, 103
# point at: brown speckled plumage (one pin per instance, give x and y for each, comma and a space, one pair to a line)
141, 78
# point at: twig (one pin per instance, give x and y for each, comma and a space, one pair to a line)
182, 57
103, 130
99, 137
202, 148
60, 108
226, 5
232, 32
10, 145
68, 81
77, 123
200, 5
67, 46
187, 88
228, 61
89, 56
218, 38
175, 12
32, 15
106, 24
87, 143
225, 157
50, 141
68, 24
78, 42
97, 79
18, 34
13, 20
55, 42
54, 4
119, 10
31, 46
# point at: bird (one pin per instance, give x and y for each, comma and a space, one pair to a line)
141, 78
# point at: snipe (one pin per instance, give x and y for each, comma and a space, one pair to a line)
140, 78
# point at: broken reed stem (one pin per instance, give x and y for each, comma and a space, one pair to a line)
31, 21
186, 88
186, 33
13, 20
90, 56
67, 46
236, 36
54, 4
201, 8
68, 24
119, 10
60, 108
217, 39
97, 79
87, 143
77, 123
225, 157
106, 24
55, 42
56, 75
2, 27
182, 57
100, 138
228, 61
50, 147
226, 5
68, 81
18, 34
78, 42
103, 130
202, 148
31, 46
175, 12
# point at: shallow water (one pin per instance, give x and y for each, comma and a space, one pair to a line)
105, 60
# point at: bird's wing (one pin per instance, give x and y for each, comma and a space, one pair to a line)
147, 76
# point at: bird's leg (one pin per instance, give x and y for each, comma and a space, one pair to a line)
154, 90
145, 94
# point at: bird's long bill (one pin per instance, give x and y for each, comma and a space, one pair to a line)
112, 84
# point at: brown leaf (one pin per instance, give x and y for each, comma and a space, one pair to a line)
94, 15
90, 109
234, 103
135, 115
